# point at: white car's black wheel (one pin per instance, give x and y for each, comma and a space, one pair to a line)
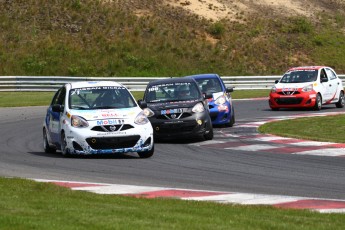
147, 154
318, 102
46, 146
341, 102
64, 149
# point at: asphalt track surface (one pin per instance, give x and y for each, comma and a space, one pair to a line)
176, 164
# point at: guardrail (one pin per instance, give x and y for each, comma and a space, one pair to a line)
49, 83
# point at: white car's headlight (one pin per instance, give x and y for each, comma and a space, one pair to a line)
220, 100
148, 112
79, 122
141, 119
274, 89
307, 88
198, 108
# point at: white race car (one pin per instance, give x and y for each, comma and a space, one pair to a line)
96, 118
307, 87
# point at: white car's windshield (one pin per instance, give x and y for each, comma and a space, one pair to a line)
178, 91
104, 97
299, 76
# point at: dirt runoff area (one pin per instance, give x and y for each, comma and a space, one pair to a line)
237, 9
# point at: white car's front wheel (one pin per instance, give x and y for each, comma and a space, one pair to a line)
147, 154
64, 149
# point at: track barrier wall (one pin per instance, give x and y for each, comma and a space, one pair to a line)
52, 83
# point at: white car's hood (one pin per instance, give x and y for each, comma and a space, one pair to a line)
101, 114
292, 85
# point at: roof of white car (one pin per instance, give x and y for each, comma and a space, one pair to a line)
86, 84
306, 68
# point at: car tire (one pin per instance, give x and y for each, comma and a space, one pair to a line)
147, 154
318, 102
209, 136
341, 102
46, 146
274, 109
232, 121
64, 149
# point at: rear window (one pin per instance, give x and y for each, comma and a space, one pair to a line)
209, 85
178, 91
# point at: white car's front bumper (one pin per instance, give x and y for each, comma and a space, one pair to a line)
87, 141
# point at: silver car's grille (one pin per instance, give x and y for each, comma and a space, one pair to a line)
113, 142
112, 128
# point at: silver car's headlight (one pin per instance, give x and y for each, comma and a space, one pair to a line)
274, 89
220, 100
141, 119
307, 88
148, 112
79, 122
198, 108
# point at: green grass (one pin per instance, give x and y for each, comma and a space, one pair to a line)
242, 94
30, 205
325, 128
16, 99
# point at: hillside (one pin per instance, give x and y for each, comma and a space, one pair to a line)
220, 9
169, 37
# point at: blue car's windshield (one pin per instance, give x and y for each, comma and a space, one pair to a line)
104, 97
209, 85
177, 91
299, 76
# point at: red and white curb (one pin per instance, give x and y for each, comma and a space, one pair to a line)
256, 142
279, 118
278, 201
276, 144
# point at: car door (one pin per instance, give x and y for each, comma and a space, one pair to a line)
333, 84
54, 117
326, 86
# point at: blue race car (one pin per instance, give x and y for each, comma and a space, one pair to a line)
220, 105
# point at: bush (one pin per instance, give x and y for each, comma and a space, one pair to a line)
297, 25
216, 29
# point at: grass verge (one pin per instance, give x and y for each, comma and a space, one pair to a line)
30, 205
309, 128
17, 99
